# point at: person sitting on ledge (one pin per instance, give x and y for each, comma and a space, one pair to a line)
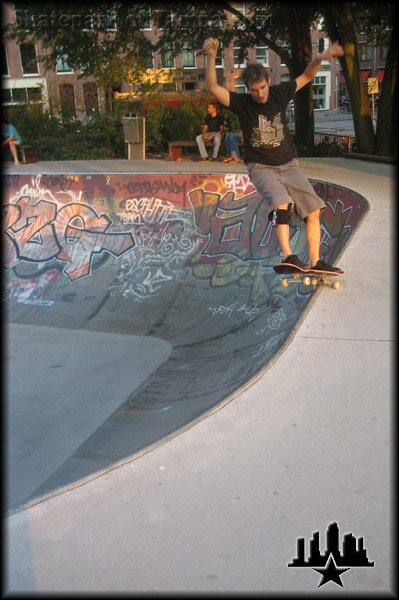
232, 140
11, 139
212, 130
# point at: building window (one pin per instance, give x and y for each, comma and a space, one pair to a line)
236, 49
167, 60
366, 52
67, 99
62, 65
107, 19
28, 59
91, 98
6, 97
22, 95
262, 55
34, 94
162, 16
219, 61
187, 20
144, 17
149, 59
383, 52
188, 55
319, 92
23, 19
239, 86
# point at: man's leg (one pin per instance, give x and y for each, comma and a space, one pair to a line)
201, 146
216, 145
313, 236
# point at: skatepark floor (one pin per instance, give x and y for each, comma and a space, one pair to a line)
219, 507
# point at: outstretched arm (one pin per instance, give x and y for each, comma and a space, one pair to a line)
211, 46
332, 52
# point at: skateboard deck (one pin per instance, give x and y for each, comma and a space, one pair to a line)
296, 275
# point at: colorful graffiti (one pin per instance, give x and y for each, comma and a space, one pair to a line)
72, 224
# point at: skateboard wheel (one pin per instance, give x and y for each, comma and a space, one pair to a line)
284, 282
315, 281
306, 280
336, 285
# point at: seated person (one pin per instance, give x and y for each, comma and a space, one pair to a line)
11, 139
212, 129
231, 141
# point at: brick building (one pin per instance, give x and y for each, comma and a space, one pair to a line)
25, 80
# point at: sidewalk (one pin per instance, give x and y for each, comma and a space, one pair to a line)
220, 507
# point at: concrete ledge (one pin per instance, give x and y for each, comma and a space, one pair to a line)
371, 157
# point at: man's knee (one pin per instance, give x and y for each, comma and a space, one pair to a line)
281, 216
313, 217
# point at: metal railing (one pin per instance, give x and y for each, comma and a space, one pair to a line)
346, 142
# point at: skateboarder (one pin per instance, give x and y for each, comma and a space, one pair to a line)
269, 153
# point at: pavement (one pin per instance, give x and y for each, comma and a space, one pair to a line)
220, 506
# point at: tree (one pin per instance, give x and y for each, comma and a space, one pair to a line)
376, 22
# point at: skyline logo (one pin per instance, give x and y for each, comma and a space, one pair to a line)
331, 564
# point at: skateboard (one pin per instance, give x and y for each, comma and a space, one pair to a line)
295, 275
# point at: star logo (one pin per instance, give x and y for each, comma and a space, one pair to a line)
331, 572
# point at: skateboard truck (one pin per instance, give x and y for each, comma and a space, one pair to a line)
311, 279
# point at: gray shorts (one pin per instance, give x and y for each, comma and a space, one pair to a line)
285, 183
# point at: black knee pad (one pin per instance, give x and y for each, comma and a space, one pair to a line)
281, 216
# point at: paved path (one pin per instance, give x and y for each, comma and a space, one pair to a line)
221, 506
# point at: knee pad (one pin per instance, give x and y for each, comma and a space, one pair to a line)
281, 216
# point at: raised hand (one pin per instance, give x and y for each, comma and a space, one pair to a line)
211, 46
335, 49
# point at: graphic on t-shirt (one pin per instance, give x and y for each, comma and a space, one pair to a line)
269, 133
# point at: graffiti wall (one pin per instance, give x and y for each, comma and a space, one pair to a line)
187, 258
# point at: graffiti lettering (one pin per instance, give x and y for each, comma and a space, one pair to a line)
73, 234
145, 210
63, 182
250, 311
237, 226
267, 346
274, 322
238, 182
153, 187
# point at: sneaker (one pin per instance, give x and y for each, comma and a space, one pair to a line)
204, 158
323, 267
293, 261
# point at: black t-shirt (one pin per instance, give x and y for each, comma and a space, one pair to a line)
214, 123
267, 139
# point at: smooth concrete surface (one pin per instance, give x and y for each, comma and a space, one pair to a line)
220, 507
70, 399
192, 265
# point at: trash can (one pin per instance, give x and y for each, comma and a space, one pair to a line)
134, 133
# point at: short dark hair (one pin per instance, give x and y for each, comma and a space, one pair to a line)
254, 72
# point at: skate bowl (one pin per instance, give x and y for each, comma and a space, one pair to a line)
136, 305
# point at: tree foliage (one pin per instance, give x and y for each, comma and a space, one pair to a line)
108, 41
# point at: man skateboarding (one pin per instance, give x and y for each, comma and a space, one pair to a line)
269, 152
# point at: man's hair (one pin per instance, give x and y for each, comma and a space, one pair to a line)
214, 103
254, 72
